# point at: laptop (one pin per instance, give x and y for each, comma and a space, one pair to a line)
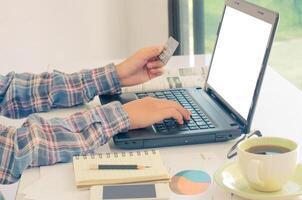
223, 110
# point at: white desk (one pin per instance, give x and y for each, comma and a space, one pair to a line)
279, 113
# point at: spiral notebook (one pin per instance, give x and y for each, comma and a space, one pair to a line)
86, 177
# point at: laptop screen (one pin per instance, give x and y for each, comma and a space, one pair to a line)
238, 58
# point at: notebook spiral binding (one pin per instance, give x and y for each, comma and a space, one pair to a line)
116, 155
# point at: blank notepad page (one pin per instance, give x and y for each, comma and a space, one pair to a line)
85, 177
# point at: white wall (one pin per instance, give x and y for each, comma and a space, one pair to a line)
38, 33
66, 33
147, 22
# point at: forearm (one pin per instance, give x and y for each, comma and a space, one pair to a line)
24, 94
44, 142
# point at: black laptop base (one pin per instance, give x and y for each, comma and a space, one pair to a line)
175, 140
209, 123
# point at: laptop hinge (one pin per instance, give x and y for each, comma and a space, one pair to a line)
242, 125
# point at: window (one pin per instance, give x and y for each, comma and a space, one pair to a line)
186, 24
286, 55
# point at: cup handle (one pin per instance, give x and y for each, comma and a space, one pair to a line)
254, 172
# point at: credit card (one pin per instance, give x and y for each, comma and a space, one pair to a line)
168, 50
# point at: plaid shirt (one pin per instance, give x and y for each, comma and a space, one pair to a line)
41, 142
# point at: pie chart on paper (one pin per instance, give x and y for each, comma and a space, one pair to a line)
190, 182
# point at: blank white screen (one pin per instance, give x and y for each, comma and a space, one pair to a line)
238, 58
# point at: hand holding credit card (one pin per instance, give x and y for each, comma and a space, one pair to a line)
168, 50
145, 64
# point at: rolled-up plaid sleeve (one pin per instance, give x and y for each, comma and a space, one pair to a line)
41, 142
26, 93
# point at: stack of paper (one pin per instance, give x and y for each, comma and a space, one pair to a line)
58, 178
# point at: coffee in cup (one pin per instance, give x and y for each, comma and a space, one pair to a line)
267, 162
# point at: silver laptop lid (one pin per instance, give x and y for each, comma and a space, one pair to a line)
243, 43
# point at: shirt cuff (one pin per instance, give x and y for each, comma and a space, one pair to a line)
113, 118
106, 80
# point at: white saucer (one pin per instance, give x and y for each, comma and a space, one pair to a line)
229, 178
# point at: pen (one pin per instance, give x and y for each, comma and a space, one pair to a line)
113, 167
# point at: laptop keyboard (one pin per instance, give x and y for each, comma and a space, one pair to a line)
198, 120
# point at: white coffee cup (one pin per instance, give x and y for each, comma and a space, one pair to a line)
267, 173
